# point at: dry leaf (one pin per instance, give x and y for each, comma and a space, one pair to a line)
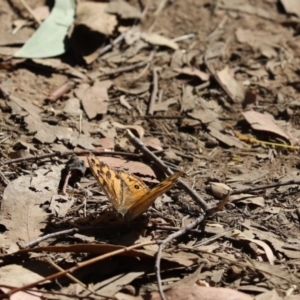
41, 12
123, 9
9, 39
94, 16
218, 189
193, 72
124, 102
43, 132
263, 122
25, 219
200, 293
234, 88
291, 6
248, 199
94, 100
135, 88
59, 65
139, 129
158, 40
248, 176
239, 6
164, 106
104, 144
188, 100
18, 276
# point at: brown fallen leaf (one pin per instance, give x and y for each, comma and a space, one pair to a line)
188, 99
9, 39
94, 16
164, 106
264, 122
59, 65
44, 132
139, 129
237, 5
41, 12
200, 293
153, 143
270, 295
111, 286
104, 144
233, 87
94, 99
158, 40
269, 253
124, 102
248, 199
122, 296
135, 88
291, 6
17, 276
92, 25
193, 72
123, 9
218, 189
25, 219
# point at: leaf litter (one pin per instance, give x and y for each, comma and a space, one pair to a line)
202, 122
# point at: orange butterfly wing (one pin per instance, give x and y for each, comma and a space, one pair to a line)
143, 203
128, 194
121, 188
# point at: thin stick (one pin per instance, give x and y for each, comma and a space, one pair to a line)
50, 235
66, 153
264, 187
78, 266
60, 91
31, 12
154, 92
172, 236
160, 7
71, 277
192, 193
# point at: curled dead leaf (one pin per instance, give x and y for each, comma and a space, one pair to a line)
218, 189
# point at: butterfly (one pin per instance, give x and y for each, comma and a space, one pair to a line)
128, 194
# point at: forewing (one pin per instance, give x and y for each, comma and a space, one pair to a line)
133, 189
143, 203
107, 179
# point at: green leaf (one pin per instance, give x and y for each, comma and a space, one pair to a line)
49, 39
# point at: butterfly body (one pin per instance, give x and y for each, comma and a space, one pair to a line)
128, 194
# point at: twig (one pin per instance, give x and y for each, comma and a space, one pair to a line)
77, 267
66, 153
183, 37
28, 8
192, 193
74, 279
154, 92
264, 187
116, 41
160, 7
60, 91
172, 236
50, 235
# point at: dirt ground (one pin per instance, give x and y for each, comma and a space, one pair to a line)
208, 88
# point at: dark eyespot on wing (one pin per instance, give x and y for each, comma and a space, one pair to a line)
108, 174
